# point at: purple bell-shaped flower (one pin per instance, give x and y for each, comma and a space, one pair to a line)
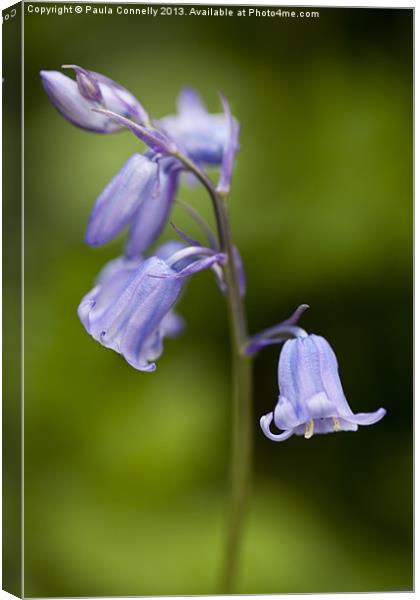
311, 396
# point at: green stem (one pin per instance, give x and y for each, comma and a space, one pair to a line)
241, 460
241, 444
241, 448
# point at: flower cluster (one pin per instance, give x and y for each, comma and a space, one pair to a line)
131, 307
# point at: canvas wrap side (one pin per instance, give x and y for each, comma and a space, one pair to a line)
12, 300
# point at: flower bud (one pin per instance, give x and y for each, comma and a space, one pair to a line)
75, 99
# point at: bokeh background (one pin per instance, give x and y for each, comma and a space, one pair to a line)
125, 480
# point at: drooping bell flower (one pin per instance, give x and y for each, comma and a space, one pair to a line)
130, 308
126, 312
140, 196
311, 397
117, 205
76, 99
203, 136
152, 214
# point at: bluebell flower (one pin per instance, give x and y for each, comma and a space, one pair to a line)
130, 309
311, 396
152, 214
140, 196
76, 99
201, 135
119, 202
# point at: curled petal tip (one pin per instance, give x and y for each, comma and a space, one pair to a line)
369, 418
265, 423
150, 368
295, 316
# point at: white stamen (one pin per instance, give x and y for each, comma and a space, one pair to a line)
309, 429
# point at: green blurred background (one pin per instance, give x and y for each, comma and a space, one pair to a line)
125, 480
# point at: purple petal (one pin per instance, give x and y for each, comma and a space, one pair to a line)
265, 423
230, 150
158, 141
201, 135
285, 416
300, 380
153, 348
319, 406
285, 333
86, 306
220, 279
299, 372
239, 266
128, 317
167, 249
240, 270
199, 265
277, 334
152, 303
366, 418
64, 94
111, 282
88, 86
190, 102
112, 95
286, 375
121, 199
172, 325
185, 237
119, 267
152, 216
296, 315
120, 100
330, 376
